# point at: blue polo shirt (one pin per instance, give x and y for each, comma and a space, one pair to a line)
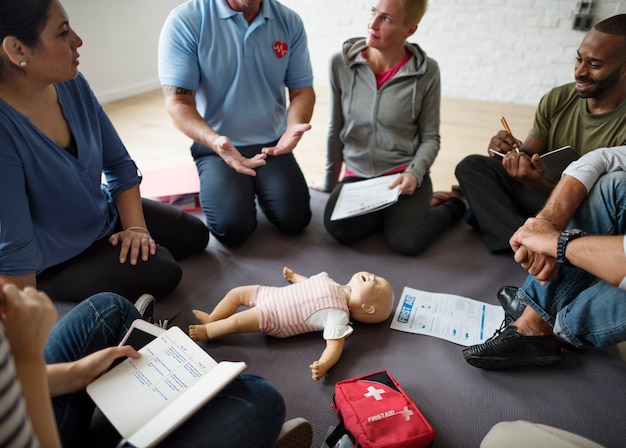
53, 204
238, 71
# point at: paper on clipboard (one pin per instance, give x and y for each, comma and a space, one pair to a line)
365, 196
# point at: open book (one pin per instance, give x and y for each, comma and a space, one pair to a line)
365, 196
147, 398
557, 160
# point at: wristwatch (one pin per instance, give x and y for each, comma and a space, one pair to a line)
564, 238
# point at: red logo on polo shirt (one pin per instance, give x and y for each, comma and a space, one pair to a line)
280, 48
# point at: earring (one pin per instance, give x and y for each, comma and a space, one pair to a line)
23, 64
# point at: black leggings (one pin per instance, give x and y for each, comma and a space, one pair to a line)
97, 269
409, 226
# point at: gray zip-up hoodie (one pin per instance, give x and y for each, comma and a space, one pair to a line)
375, 131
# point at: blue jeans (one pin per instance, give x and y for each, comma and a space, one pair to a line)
228, 198
582, 310
249, 412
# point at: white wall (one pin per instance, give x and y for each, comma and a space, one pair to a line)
119, 54
492, 50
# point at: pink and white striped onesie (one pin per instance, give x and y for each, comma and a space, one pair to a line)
315, 304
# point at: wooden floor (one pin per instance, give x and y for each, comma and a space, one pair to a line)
466, 128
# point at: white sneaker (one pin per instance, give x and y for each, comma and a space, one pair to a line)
145, 306
295, 433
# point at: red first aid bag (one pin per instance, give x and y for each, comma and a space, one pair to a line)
375, 412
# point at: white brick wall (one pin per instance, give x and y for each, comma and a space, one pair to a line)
491, 50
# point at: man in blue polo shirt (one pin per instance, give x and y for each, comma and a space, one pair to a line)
225, 66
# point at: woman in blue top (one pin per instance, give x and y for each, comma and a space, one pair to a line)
60, 228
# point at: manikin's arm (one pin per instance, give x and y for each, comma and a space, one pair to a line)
293, 277
330, 356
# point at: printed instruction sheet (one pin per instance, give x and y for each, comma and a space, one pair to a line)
454, 318
365, 196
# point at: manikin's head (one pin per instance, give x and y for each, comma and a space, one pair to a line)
371, 298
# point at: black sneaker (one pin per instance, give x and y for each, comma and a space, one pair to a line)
507, 348
513, 307
145, 306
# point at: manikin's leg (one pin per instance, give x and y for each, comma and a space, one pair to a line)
293, 277
228, 306
224, 319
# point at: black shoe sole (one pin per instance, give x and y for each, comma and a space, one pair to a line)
500, 363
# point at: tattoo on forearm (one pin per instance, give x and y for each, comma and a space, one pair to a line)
173, 90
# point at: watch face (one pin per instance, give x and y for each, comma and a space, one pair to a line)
564, 238
573, 232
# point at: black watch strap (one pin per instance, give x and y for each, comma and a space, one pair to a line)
564, 238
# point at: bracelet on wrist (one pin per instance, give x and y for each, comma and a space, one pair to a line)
138, 229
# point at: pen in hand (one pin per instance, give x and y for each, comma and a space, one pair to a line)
508, 130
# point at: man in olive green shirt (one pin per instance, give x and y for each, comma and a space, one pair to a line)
503, 190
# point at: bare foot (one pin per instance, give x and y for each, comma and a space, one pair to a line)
198, 332
439, 197
288, 273
202, 317
457, 193
317, 184
530, 323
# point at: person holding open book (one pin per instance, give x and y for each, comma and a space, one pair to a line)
60, 360
587, 114
385, 101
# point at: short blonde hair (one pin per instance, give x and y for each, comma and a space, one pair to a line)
414, 10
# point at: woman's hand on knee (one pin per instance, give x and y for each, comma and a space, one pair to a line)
133, 244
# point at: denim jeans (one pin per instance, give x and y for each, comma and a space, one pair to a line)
249, 412
279, 187
587, 312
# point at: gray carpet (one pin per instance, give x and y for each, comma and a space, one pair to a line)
583, 394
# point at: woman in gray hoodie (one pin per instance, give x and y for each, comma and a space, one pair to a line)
385, 99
